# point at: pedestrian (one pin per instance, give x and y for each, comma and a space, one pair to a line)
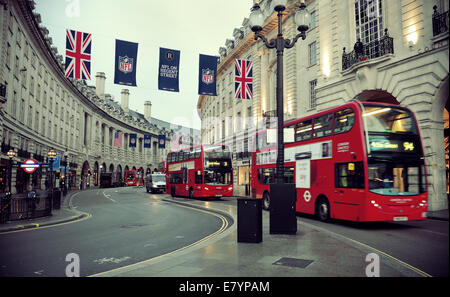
359, 47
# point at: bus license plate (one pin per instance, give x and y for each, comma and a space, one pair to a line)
218, 195
400, 219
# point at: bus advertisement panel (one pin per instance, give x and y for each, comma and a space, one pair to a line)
200, 171
359, 162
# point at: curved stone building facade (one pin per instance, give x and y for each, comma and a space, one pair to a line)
41, 110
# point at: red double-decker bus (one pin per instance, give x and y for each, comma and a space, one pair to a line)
361, 162
130, 177
200, 171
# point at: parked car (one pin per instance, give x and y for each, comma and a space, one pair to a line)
155, 182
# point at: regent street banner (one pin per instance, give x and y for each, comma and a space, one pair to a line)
207, 75
168, 74
133, 138
147, 140
126, 61
161, 141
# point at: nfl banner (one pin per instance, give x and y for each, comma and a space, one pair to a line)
133, 140
207, 75
78, 55
126, 61
243, 79
169, 63
161, 141
147, 140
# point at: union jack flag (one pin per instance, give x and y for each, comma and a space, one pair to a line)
243, 79
78, 54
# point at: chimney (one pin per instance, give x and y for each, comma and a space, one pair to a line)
125, 94
148, 111
100, 83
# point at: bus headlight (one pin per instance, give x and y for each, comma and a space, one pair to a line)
206, 188
230, 188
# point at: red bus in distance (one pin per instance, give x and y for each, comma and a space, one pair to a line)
357, 162
200, 171
130, 177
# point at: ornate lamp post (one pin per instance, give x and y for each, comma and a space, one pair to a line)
11, 154
282, 204
256, 21
51, 155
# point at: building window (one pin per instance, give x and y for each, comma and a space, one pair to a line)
43, 127
312, 20
22, 108
369, 20
8, 55
13, 106
312, 54
16, 68
30, 116
36, 122
312, 94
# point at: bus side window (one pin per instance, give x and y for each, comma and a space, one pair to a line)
303, 130
349, 175
343, 120
289, 175
323, 125
265, 176
198, 177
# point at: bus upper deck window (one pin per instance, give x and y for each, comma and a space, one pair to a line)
344, 120
323, 125
303, 130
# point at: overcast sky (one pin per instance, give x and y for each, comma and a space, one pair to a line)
192, 26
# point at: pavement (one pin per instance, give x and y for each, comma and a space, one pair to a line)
312, 251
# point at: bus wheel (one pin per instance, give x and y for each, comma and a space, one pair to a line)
266, 201
191, 193
323, 209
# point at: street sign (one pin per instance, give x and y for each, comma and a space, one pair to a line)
30, 165
56, 163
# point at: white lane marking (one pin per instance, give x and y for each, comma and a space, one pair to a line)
112, 260
107, 196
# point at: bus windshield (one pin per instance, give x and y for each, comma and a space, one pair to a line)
218, 170
396, 179
389, 119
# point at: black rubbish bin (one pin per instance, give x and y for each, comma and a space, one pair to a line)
249, 222
283, 198
56, 197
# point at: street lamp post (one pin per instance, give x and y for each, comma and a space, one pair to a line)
11, 154
282, 196
256, 21
51, 155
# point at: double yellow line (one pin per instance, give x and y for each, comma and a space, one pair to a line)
222, 228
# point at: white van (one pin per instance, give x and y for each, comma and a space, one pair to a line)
155, 182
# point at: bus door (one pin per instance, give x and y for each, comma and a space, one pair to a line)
184, 189
305, 194
349, 190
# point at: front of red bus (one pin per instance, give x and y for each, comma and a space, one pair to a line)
218, 171
397, 189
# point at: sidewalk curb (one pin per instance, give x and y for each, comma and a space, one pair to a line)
45, 224
78, 216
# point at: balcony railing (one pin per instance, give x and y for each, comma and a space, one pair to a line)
374, 49
440, 22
